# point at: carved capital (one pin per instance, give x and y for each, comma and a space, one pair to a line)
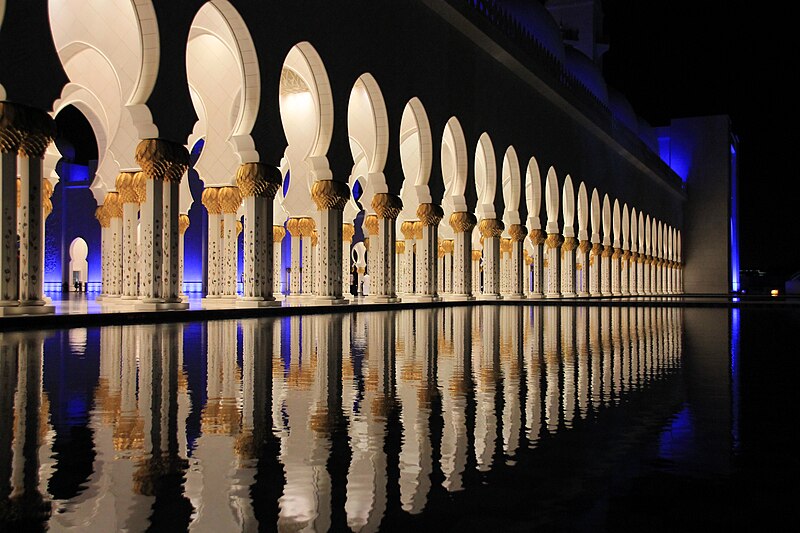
161, 159
293, 226
125, 188
113, 203
537, 237
399, 247
314, 238
505, 246
553, 240
491, 227
476, 255
239, 227
258, 179
230, 199
585, 246
307, 226
617, 253
430, 214
463, 222
407, 229
448, 246
210, 199
348, 231
597, 249
626, 256
517, 232
418, 225
278, 233
329, 194
371, 223
25, 130
570, 243
387, 205
139, 184
183, 223
102, 216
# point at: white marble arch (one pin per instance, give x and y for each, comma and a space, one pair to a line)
552, 253
225, 91
512, 187
605, 262
606, 213
485, 177
533, 194
455, 163
582, 275
616, 243
568, 232
416, 159
111, 51
626, 247
583, 213
368, 133
594, 261
306, 107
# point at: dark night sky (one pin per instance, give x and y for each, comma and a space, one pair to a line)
683, 58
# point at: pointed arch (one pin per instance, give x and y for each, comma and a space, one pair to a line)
512, 187
533, 193
583, 213
485, 177
568, 202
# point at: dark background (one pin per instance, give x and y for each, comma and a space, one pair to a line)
682, 58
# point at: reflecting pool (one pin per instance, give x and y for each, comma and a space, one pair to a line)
466, 418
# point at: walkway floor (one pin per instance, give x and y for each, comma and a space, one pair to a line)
83, 309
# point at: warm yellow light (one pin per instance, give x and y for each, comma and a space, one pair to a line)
774, 292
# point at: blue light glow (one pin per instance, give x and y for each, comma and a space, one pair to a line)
678, 161
677, 440
735, 348
734, 224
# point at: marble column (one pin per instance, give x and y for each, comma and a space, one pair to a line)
132, 191
447, 248
387, 207
640, 273
582, 268
553, 258
624, 273
114, 206
348, 231
527, 273
183, 226
330, 198
314, 260
595, 256
230, 200
632, 274
30, 172
439, 266
648, 262
210, 200
568, 267
9, 271
278, 233
462, 223
257, 184
505, 263
491, 230
371, 244
408, 230
104, 219
293, 227
615, 271
476, 272
163, 165
427, 247
517, 269
605, 270
537, 238
402, 273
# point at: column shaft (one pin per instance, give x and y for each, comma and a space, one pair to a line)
9, 277
30, 246
152, 243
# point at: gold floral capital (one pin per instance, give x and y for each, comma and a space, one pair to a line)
585, 246
517, 232
371, 223
258, 179
491, 227
608, 251
537, 237
553, 240
210, 200
183, 223
230, 199
25, 130
330, 194
597, 249
399, 247
448, 246
570, 243
505, 246
418, 229
278, 233
463, 222
617, 253
162, 160
430, 214
387, 205
407, 229
102, 216
348, 231
125, 188
113, 203
476, 255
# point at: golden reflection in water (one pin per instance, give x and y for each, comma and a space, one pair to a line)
335, 377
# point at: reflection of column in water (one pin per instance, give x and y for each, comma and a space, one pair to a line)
533, 373
648, 355
641, 354
616, 350
9, 356
214, 457
633, 335
568, 353
485, 379
305, 502
510, 357
366, 408
142, 475
414, 395
606, 354
23, 405
582, 353
625, 353
552, 360
596, 357
454, 384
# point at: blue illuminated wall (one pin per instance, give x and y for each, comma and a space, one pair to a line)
735, 285
72, 217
